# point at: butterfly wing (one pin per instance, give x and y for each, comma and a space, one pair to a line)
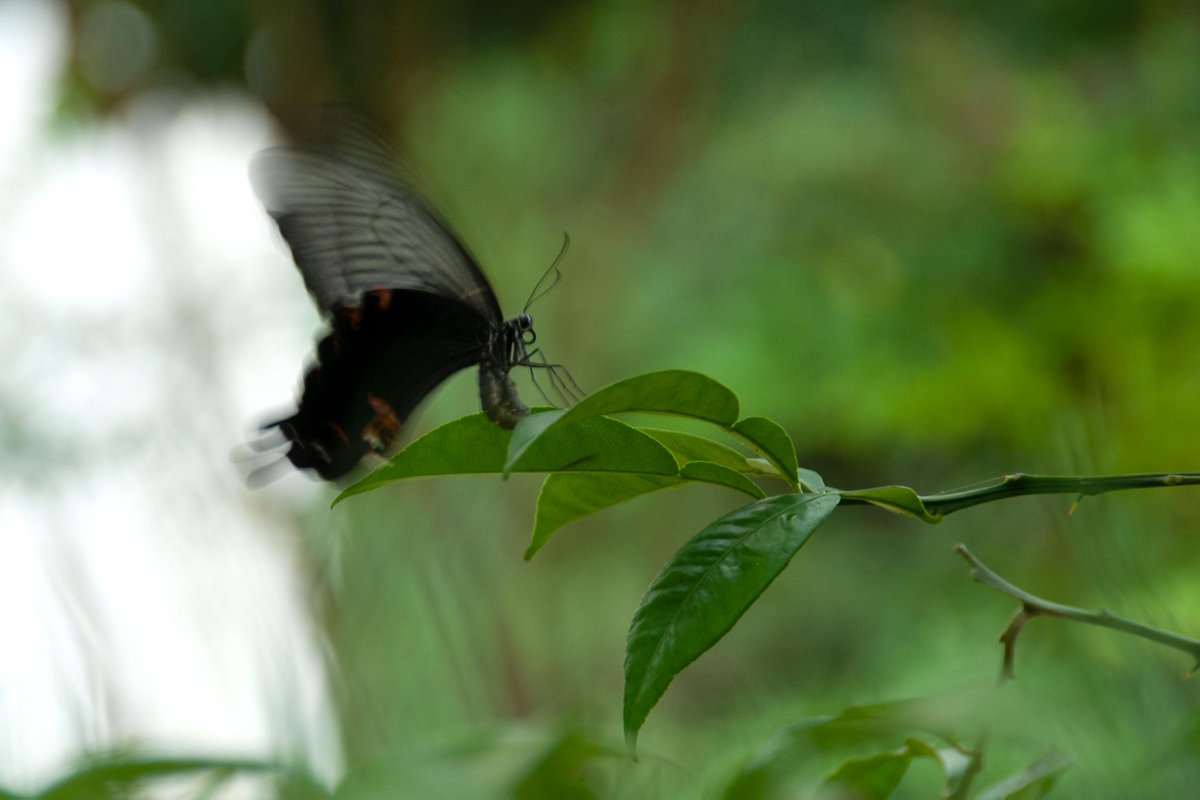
379, 362
353, 224
408, 304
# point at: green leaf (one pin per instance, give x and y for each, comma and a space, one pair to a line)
872, 778
672, 391
568, 496
793, 748
875, 777
706, 587
690, 447
810, 480
897, 499
473, 445
468, 445
528, 431
1033, 782
708, 472
562, 771
770, 439
597, 444
105, 776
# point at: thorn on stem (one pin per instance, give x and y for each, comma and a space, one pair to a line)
1009, 640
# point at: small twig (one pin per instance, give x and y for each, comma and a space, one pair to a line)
1019, 483
1033, 606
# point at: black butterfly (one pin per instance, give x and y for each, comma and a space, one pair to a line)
408, 305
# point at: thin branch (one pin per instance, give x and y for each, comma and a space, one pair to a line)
1021, 484
1033, 606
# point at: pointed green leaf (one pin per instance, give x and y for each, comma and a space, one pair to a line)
770, 439
706, 587
473, 445
597, 444
874, 777
560, 771
672, 391
528, 430
793, 748
568, 496
810, 480
708, 472
690, 447
465, 446
897, 499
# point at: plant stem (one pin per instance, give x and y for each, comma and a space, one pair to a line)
1019, 483
1033, 606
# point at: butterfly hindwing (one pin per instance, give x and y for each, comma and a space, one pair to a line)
382, 358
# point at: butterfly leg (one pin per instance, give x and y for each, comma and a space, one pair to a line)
561, 382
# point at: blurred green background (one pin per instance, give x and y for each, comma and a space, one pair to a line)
937, 242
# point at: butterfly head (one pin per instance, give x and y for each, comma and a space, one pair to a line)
524, 328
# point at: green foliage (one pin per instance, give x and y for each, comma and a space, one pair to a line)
597, 462
705, 589
119, 776
560, 771
674, 391
770, 439
921, 726
473, 445
935, 240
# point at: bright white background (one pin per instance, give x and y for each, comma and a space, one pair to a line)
148, 320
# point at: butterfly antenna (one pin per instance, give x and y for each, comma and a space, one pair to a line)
539, 290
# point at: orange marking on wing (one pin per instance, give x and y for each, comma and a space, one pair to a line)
352, 315
385, 298
338, 431
382, 429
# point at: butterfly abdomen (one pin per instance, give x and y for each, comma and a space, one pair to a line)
498, 395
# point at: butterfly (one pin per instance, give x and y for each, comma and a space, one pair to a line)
407, 303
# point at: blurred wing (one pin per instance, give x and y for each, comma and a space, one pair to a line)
354, 225
381, 359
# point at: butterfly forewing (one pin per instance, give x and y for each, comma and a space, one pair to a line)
353, 225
